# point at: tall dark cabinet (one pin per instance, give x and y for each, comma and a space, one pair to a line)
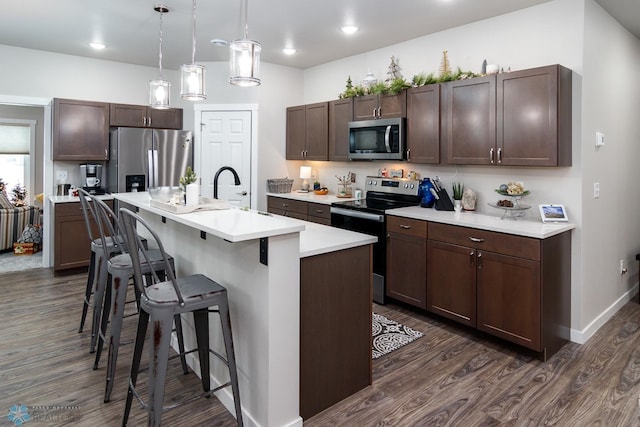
423, 124
80, 130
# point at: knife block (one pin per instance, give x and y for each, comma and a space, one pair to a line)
443, 202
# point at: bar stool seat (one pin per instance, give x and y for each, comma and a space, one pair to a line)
159, 303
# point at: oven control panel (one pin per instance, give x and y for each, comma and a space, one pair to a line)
404, 186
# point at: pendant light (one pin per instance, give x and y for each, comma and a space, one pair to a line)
192, 79
245, 57
159, 89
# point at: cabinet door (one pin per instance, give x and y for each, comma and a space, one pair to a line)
423, 124
170, 118
406, 278
469, 121
317, 131
509, 298
392, 105
340, 114
80, 130
365, 107
296, 133
531, 112
128, 115
451, 281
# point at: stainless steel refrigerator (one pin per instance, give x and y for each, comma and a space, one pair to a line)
140, 159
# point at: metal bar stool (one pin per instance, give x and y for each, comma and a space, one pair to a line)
96, 263
159, 303
119, 272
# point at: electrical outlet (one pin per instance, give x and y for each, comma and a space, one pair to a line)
596, 190
623, 269
62, 175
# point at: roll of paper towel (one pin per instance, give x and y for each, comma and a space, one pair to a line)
193, 194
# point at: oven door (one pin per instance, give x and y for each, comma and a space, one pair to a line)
374, 225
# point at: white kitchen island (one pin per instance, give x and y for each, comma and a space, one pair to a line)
264, 298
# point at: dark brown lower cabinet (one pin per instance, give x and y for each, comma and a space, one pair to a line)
72, 247
406, 278
335, 327
513, 287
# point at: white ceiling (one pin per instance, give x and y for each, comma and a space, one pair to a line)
130, 28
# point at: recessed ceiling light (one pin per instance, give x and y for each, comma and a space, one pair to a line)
219, 42
97, 46
288, 51
349, 29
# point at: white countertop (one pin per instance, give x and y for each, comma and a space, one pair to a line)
234, 225
312, 197
71, 199
237, 225
521, 227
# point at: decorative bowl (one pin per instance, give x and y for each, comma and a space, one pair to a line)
164, 194
321, 191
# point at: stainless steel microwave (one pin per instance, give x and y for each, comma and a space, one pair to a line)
382, 139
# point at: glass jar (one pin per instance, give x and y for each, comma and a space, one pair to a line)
344, 190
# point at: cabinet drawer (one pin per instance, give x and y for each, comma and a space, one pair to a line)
68, 209
319, 210
412, 227
507, 244
287, 205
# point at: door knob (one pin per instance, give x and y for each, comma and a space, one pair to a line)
242, 193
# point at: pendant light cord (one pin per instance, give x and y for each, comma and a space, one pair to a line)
160, 53
245, 4
193, 36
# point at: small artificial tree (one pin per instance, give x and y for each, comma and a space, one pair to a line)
19, 194
189, 178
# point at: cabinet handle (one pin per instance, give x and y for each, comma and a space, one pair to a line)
408, 154
285, 205
472, 257
406, 227
479, 260
379, 112
499, 155
491, 155
148, 121
374, 114
476, 239
319, 211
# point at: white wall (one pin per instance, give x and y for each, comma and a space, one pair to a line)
572, 33
610, 227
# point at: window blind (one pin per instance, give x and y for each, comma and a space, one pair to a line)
15, 138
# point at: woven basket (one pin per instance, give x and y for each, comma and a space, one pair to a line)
280, 185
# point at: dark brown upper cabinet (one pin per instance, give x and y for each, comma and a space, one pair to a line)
308, 132
369, 107
142, 116
80, 130
340, 114
469, 121
423, 124
534, 117
519, 118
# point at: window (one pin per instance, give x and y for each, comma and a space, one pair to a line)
17, 139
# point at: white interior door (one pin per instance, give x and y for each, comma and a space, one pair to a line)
226, 141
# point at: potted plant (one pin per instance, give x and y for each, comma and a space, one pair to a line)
191, 187
458, 189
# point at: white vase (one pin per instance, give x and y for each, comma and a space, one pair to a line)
457, 205
193, 194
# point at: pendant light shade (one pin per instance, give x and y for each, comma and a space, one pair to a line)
245, 57
193, 75
159, 89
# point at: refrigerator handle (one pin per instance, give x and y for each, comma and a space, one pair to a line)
155, 168
150, 168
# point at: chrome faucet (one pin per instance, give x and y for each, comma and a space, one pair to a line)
215, 179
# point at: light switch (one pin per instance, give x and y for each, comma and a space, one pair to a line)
599, 139
596, 190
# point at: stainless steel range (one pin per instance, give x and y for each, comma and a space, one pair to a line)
368, 216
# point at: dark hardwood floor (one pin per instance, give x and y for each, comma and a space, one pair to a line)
449, 377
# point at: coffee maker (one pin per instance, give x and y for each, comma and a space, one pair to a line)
91, 176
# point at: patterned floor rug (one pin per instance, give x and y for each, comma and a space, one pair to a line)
389, 335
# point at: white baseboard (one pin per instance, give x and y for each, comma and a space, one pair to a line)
583, 336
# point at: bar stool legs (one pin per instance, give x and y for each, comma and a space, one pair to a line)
158, 359
88, 291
